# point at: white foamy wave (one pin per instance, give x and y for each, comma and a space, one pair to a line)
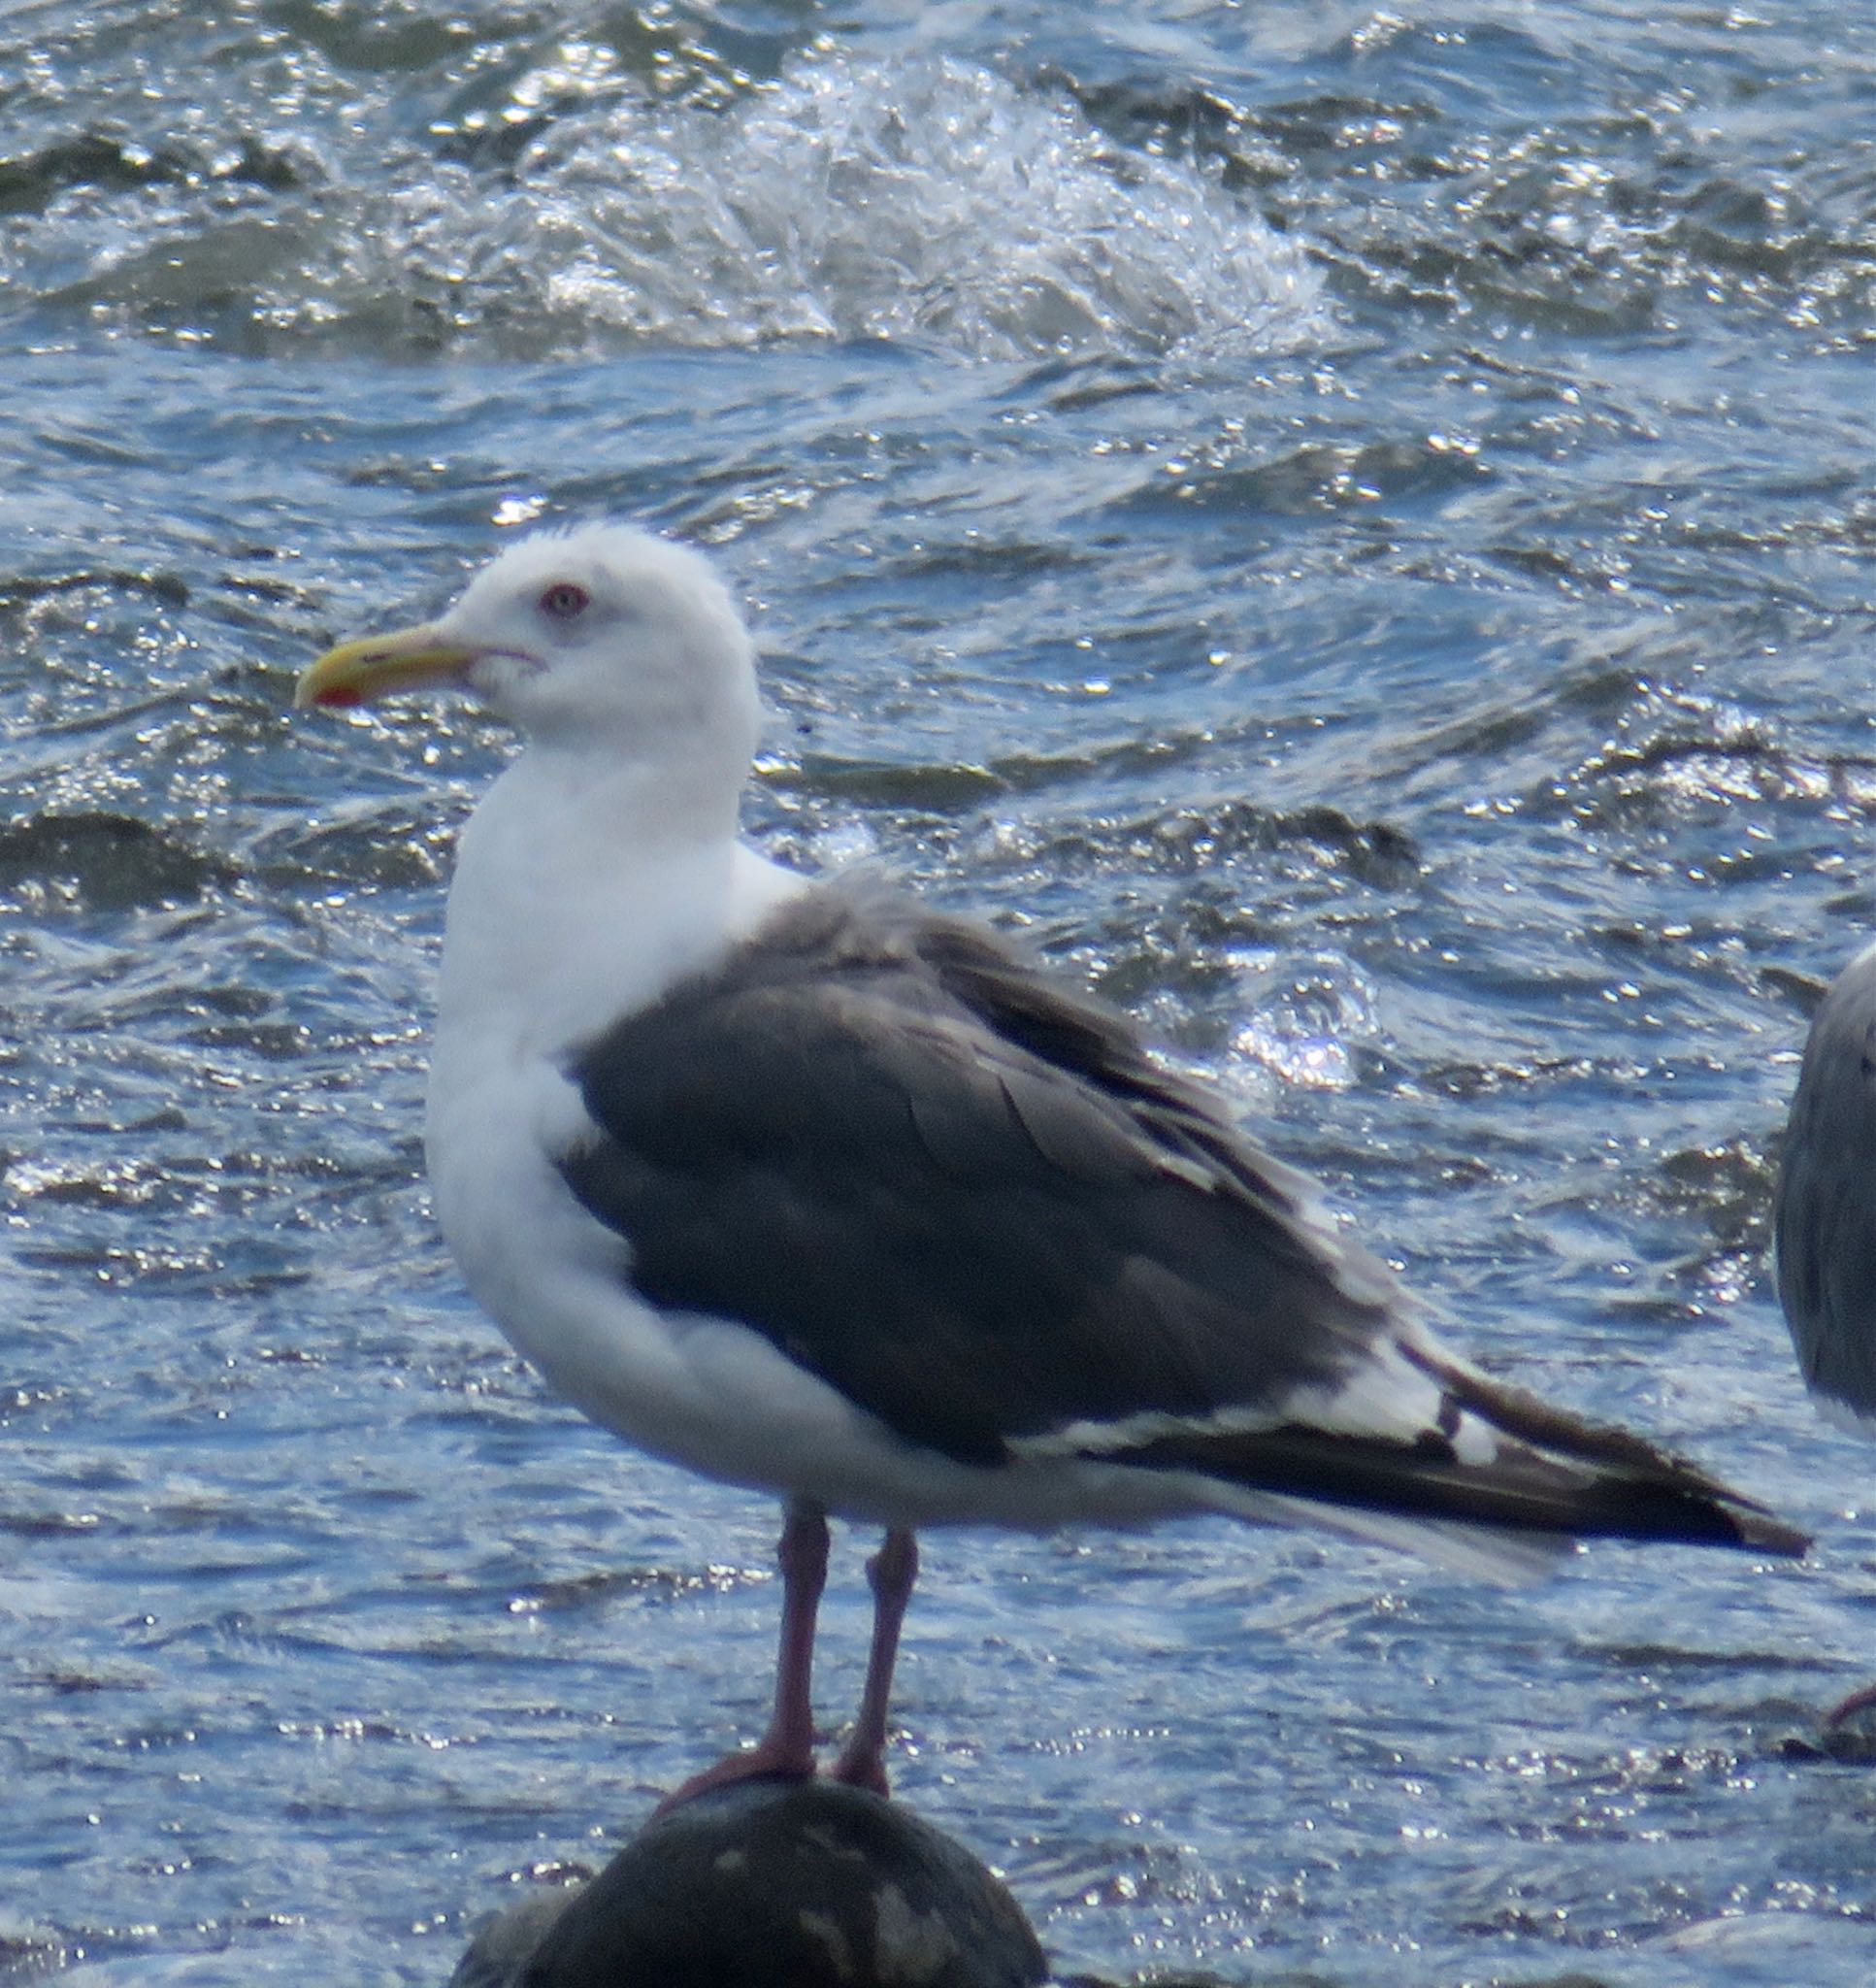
933, 201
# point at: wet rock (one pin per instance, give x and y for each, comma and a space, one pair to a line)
771, 1884
499, 1955
107, 862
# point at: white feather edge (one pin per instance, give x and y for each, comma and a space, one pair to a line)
1844, 1414
1386, 1395
1492, 1553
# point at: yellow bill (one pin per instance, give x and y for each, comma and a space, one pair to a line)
375, 666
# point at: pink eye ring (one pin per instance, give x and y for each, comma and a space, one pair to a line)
564, 600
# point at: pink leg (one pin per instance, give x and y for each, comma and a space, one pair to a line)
890, 1573
786, 1750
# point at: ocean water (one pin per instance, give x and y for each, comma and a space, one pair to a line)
1351, 526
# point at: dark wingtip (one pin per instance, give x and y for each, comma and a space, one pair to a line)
1758, 1528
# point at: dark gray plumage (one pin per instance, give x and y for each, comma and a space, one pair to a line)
1825, 1220
965, 1198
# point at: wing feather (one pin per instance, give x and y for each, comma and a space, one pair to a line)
1825, 1217
967, 1198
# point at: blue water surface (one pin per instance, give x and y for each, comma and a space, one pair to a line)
1352, 527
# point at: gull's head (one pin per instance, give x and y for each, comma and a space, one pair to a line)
603, 639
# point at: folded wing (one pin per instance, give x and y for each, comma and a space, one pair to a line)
964, 1196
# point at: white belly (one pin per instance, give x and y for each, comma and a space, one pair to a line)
710, 1394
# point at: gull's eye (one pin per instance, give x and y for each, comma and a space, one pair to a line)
565, 601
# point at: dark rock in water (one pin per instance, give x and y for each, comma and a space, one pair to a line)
108, 862
771, 1884
499, 1955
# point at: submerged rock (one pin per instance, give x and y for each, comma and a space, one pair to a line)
771, 1884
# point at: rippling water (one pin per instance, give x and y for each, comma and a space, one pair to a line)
1356, 525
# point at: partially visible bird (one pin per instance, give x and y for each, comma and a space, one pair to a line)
816, 1191
1824, 1214
1823, 1219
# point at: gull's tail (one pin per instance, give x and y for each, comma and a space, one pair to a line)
1497, 1482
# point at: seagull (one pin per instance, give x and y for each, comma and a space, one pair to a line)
1824, 1218
1825, 1213
812, 1188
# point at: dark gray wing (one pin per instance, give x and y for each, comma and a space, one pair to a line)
964, 1196
1825, 1220
960, 1193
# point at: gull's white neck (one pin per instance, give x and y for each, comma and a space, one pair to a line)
585, 887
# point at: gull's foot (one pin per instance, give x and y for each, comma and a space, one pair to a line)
862, 1766
764, 1762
